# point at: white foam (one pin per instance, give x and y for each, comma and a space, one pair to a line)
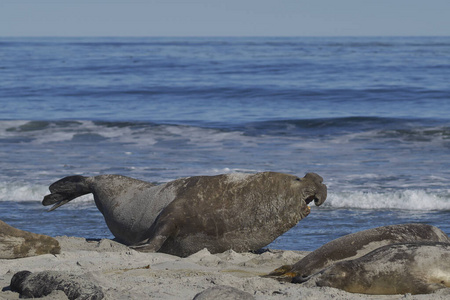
17, 191
403, 200
20, 191
54, 132
206, 137
417, 200
6, 125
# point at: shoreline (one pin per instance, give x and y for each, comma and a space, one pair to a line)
124, 273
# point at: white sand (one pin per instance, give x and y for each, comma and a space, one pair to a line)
127, 274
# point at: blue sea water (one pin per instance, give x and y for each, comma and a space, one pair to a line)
370, 115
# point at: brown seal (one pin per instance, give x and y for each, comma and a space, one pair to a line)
16, 243
356, 245
243, 212
415, 268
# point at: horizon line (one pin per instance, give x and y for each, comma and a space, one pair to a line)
221, 36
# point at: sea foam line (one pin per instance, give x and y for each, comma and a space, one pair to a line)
403, 200
18, 192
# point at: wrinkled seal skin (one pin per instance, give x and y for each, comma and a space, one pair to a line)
16, 243
222, 212
415, 268
35, 285
231, 211
356, 245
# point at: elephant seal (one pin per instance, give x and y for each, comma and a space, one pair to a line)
243, 212
16, 243
36, 285
356, 245
415, 268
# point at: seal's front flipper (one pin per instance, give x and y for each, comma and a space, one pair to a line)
159, 233
151, 245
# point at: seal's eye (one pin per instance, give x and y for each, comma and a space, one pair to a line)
298, 179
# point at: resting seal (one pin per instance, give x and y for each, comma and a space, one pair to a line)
231, 211
36, 285
16, 243
356, 245
415, 268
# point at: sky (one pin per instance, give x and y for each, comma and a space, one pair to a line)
224, 18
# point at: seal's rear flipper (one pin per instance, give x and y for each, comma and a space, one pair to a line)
282, 274
280, 271
65, 190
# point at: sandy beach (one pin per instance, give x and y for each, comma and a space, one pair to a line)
127, 274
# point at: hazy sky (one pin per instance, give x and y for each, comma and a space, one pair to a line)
224, 17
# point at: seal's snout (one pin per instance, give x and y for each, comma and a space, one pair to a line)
321, 195
318, 200
311, 199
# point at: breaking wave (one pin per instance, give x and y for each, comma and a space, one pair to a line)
20, 192
372, 128
397, 200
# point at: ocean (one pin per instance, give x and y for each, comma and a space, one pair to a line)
370, 115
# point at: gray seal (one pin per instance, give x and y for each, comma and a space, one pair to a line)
415, 268
356, 245
36, 285
243, 212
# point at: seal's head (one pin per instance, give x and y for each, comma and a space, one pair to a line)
298, 193
335, 276
309, 188
314, 190
17, 281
